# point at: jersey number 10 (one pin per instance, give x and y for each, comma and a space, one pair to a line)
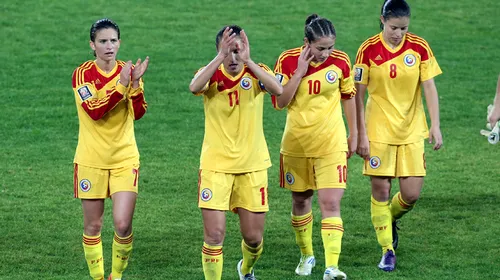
314, 86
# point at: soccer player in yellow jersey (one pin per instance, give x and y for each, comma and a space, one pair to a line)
109, 96
234, 157
393, 66
314, 150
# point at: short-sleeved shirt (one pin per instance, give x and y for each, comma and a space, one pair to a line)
314, 125
394, 110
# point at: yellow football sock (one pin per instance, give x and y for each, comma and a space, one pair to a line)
122, 248
399, 207
332, 231
382, 223
302, 225
250, 256
212, 260
92, 247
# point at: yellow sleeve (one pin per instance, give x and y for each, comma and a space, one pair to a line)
347, 89
429, 69
361, 67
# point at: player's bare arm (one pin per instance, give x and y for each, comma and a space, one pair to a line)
290, 88
271, 84
349, 106
363, 148
494, 116
140, 68
224, 49
432, 100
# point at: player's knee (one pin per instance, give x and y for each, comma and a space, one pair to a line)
301, 201
214, 236
123, 228
93, 228
252, 239
410, 198
329, 205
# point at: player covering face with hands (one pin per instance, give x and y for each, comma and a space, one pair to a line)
314, 150
234, 158
109, 96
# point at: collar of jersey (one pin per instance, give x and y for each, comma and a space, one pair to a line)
235, 78
107, 75
389, 47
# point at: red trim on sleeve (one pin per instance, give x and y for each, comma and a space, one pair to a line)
97, 108
139, 105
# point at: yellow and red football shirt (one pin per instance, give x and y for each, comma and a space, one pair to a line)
314, 125
106, 112
234, 139
394, 110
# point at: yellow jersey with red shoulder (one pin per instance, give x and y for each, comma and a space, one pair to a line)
234, 135
106, 112
314, 125
394, 110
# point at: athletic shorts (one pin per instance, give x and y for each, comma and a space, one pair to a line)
396, 160
225, 191
93, 183
300, 174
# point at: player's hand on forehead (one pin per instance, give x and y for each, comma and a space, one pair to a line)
228, 39
243, 47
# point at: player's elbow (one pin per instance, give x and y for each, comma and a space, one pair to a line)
194, 88
278, 90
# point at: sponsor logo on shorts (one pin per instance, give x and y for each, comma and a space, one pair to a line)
358, 74
85, 185
331, 76
289, 178
206, 194
246, 83
410, 60
375, 162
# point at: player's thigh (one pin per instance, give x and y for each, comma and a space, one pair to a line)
382, 160
250, 192
330, 171
411, 160
90, 182
214, 190
124, 179
296, 173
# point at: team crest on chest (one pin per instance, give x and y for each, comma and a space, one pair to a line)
331, 76
246, 83
409, 60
